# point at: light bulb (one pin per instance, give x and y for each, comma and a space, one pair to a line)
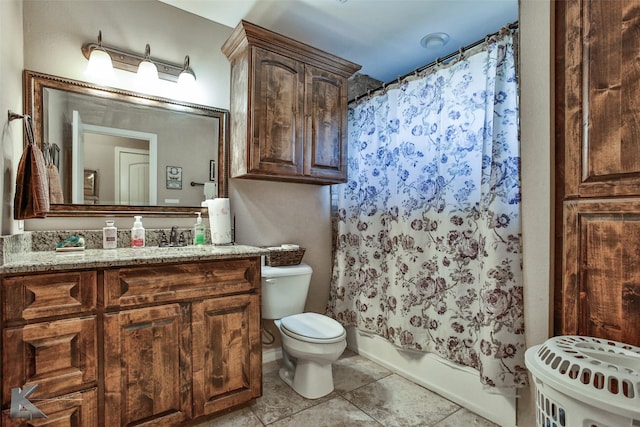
186, 79
100, 67
147, 71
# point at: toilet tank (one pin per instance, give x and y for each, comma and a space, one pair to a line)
284, 290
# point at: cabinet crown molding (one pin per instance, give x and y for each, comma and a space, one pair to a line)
246, 34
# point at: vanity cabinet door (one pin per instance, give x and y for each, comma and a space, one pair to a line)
147, 366
227, 354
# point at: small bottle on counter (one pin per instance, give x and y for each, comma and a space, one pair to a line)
137, 233
110, 236
198, 231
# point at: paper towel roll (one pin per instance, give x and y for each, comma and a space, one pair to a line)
219, 220
209, 190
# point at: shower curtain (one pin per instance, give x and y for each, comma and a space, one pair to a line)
428, 248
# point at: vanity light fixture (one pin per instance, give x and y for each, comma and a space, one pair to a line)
130, 61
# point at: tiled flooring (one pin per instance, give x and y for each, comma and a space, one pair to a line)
366, 394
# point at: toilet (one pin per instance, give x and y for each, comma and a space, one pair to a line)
311, 342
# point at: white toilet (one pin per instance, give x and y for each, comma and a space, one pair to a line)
311, 342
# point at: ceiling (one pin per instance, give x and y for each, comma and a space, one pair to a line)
381, 35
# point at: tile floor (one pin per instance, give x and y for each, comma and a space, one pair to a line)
366, 394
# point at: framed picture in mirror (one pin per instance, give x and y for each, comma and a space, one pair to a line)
174, 178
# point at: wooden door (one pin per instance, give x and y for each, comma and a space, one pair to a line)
227, 355
325, 154
277, 138
148, 366
597, 290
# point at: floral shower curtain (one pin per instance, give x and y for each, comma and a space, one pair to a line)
428, 249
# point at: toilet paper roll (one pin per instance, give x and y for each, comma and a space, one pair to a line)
209, 190
219, 220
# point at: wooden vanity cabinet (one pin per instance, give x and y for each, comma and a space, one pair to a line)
288, 108
49, 338
181, 341
165, 344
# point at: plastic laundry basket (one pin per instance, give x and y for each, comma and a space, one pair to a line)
585, 382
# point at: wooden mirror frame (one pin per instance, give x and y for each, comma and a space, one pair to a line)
34, 84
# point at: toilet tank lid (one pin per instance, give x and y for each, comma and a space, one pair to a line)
287, 270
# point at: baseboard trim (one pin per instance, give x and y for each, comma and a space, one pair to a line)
271, 354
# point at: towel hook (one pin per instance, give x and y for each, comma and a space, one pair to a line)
14, 116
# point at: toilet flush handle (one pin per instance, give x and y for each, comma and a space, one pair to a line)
269, 280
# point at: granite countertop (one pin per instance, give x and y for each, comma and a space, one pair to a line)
42, 261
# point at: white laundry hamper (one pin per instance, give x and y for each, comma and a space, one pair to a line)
585, 382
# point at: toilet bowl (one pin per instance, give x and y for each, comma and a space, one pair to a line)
311, 342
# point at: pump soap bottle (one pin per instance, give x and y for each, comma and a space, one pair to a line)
137, 233
110, 236
198, 231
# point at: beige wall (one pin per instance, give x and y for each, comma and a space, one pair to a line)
266, 212
537, 183
10, 99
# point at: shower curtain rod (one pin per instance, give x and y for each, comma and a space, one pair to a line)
511, 26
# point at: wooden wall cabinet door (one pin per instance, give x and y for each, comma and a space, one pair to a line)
602, 269
325, 153
147, 366
227, 355
288, 108
276, 144
598, 169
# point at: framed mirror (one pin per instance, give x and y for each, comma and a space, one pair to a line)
120, 152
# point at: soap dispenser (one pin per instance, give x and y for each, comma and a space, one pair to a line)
198, 231
137, 233
110, 235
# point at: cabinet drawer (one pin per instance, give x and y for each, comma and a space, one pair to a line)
46, 295
140, 285
71, 410
59, 356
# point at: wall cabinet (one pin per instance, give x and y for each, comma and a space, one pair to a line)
159, 345
288, 108
597, 290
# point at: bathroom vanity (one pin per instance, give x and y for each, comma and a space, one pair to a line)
150, 336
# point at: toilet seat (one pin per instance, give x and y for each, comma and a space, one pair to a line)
313, 328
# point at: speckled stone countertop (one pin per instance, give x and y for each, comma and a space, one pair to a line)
43, 261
